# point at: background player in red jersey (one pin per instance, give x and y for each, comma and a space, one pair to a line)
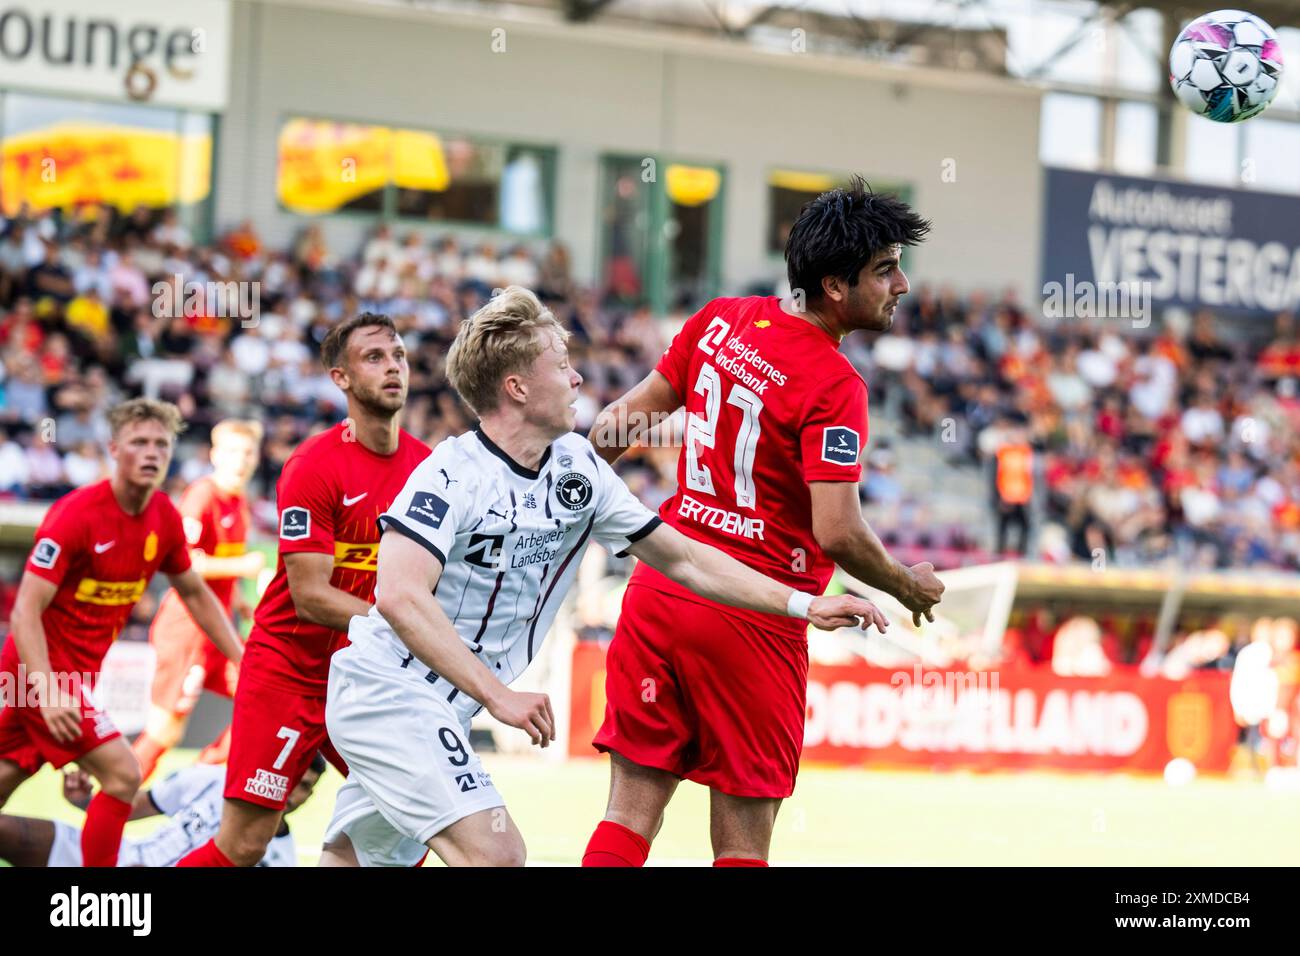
776, 417
332, 490
95, 551
216, 519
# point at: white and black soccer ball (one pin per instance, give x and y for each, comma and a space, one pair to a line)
1226, 66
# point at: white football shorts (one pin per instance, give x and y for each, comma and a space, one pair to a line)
411, 770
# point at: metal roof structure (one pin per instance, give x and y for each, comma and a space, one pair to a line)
953, 34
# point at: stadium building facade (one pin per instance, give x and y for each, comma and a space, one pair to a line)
574, 122
669, 164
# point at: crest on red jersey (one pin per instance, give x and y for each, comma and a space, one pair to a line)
45, 553
840, 445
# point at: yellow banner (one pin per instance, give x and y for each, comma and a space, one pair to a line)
71, 163
361, 557
802, 182
692, 185
112, 593
326, 165
419, 162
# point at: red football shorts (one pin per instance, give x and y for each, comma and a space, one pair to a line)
274, 734
26, 739
187, 663
705, 695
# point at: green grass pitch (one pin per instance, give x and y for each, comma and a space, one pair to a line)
876, 817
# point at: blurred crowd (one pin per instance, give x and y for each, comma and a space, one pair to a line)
96, 306
1099, 439
1115, 442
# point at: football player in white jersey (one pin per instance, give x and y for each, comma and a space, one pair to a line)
191, 797
477, 553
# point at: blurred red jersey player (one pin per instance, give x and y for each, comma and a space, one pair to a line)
96, 550
216, 520
776, 421
330, 495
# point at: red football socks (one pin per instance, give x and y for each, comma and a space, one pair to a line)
737, 861
615, 845
101, 837
207, 855
147, 751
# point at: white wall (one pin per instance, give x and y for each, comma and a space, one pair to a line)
590, 90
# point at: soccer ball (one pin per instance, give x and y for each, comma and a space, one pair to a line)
1226, 66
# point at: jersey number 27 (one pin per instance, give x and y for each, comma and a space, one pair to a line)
702, 431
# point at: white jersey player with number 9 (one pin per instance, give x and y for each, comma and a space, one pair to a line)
477, 553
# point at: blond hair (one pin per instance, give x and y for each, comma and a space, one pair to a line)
504, 337
247, 427
145, 410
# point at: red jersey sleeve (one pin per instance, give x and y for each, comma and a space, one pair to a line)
59, 542
676, 361
834, 431
197, 516
176, 557
307, 501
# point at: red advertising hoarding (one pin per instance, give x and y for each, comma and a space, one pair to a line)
1029, 717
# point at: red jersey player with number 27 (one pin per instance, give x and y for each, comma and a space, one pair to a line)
96, 550
776, 420
332, 490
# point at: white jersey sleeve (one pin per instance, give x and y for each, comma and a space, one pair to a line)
621, 519
433, 503
178, 790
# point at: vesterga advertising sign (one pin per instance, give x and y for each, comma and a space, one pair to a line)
1169, 243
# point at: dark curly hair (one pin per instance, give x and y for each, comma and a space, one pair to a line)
837, 233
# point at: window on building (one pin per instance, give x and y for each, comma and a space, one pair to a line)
1135, 138
1270, 156
1212, 151
789, 189
327, 167
1070, 131
787, 192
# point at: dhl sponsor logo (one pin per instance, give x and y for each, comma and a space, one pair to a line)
362, 557
111, 593
229, 549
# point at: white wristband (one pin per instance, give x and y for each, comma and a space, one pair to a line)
798, 604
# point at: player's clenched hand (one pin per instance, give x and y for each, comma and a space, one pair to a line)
76, 788
845, 610
63, 717
925, 591
530, 712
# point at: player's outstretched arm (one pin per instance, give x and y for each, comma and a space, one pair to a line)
59, 709
848, 540
628, 419
716, 575
408, 574
314, 598
208, 613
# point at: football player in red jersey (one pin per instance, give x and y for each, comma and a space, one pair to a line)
95, 552
332, 490
216, 520
776, 418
